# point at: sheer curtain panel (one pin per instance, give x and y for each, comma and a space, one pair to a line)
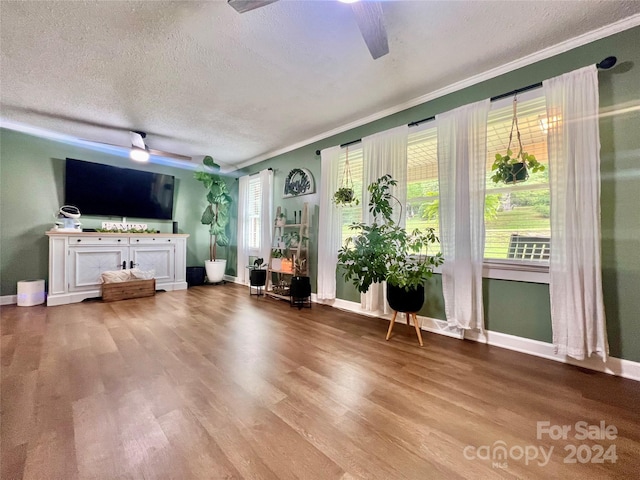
577, 309
329, 224
384, 153
266, 213
462, 160
243, 248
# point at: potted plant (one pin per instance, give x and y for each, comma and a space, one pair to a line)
257, 273
215, 215
510, 169
291, 239
276, 259
345, 195
385, 251
300, 284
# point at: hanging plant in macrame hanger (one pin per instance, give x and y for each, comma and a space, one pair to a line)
509, 169
345, 195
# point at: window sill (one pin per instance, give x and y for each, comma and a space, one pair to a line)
513, 271
516, 271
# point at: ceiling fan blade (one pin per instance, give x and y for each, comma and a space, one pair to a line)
160, 153
137, 140
371, 23
242, 6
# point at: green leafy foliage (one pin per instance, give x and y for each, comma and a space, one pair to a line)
503, 166
216, 213
383, 250
345, 196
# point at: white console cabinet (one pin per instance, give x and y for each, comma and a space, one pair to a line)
76, 260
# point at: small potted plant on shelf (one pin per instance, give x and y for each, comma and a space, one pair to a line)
509, 169
291, 239
384, 251
215, 216
276, 260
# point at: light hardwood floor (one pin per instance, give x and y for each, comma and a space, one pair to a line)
210, 383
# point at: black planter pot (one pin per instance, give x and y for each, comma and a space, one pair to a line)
300, 287
402, 301
257, 278
519, 173
300, 292
195, 276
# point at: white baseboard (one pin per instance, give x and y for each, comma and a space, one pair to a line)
8, 299
231, 279
613, 365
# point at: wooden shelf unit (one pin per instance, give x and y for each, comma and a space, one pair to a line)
300, 251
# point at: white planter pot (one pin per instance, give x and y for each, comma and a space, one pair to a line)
215, 270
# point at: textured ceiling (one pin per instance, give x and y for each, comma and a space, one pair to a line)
200, 78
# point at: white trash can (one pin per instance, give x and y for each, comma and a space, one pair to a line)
30, 292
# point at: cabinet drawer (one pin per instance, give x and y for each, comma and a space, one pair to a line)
151, 240
98, 241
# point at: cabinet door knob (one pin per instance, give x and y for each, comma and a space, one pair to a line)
99, 238
79, 240
137, 240
169, 240
119, 240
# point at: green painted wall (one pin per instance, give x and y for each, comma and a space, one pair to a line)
32, 189
519, 308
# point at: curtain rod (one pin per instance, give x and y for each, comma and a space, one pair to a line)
605, 64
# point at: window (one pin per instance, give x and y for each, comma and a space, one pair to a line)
351, 213
422, 180
253, 214
517, 219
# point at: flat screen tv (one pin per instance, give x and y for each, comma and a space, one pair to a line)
119, 192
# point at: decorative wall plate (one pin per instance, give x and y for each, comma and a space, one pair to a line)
299, 182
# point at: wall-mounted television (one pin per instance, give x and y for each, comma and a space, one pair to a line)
98, 189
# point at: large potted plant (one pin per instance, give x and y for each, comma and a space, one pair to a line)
215, 215
385, 251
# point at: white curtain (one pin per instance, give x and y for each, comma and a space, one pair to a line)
383, 153
577, 309
266, 222
266, 213
329, 224
462, 162
243, 251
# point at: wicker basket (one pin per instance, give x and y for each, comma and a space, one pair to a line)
112, 292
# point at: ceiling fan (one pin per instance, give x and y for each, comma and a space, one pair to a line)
140, 152
368, 15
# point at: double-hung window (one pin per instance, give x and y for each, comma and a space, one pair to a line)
517, 223
254, 206
422, 209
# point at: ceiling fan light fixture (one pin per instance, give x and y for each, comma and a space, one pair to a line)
138, 154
